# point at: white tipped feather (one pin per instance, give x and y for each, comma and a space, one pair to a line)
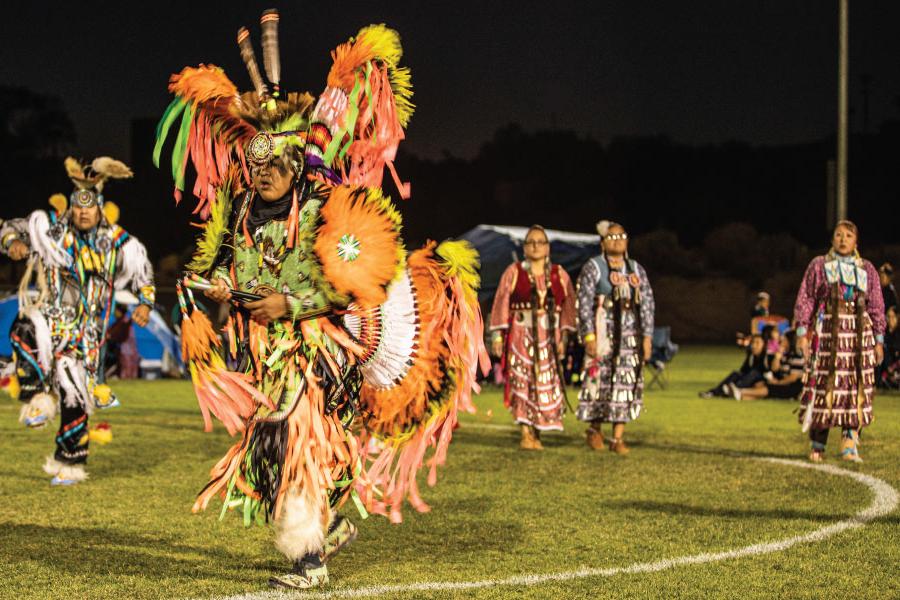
399, 335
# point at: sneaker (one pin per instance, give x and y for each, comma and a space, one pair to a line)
816, 456
342, 533
706, 394
36, 421
301, 578
57, 480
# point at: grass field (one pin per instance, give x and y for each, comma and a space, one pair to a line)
689, 486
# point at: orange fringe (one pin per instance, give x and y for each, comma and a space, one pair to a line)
318, 451
229, 396
377, 138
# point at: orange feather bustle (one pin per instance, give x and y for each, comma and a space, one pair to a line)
356, 216
392, 411
392, 460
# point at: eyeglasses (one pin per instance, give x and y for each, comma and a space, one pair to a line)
536, 242
616, 236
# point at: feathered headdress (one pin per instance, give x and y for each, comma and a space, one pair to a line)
89, 181
349, 136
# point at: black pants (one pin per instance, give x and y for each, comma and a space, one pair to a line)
741, 380
72, 437
819, 437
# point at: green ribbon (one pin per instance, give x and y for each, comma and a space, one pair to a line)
165, 123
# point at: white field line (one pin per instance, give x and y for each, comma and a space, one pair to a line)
885, 500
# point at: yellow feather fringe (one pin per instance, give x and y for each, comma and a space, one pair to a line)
111, 212
213, 232
59, 203
459, 259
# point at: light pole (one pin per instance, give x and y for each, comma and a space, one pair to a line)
841, 196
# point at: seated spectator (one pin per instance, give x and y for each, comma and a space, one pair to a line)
785, 380
773, 340
886, 277
888, 372
752, 371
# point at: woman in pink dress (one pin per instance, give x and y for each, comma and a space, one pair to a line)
533, 313
839, 315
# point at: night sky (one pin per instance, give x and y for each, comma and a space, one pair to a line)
701, 71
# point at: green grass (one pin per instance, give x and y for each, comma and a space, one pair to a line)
687, 487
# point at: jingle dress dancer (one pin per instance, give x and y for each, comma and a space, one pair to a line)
615, 322
345, 358
532, 317
839, 316
77, 258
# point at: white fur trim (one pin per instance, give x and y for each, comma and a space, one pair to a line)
49, 250
73, 473
136, 268
603, 227
8, 369
301, 527
52, 466
43, 338
72, 380
45, 403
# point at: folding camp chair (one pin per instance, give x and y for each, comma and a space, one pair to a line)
662, 352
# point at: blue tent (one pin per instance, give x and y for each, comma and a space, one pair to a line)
154, 342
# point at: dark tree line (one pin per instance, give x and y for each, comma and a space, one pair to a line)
557, 178
565, 181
